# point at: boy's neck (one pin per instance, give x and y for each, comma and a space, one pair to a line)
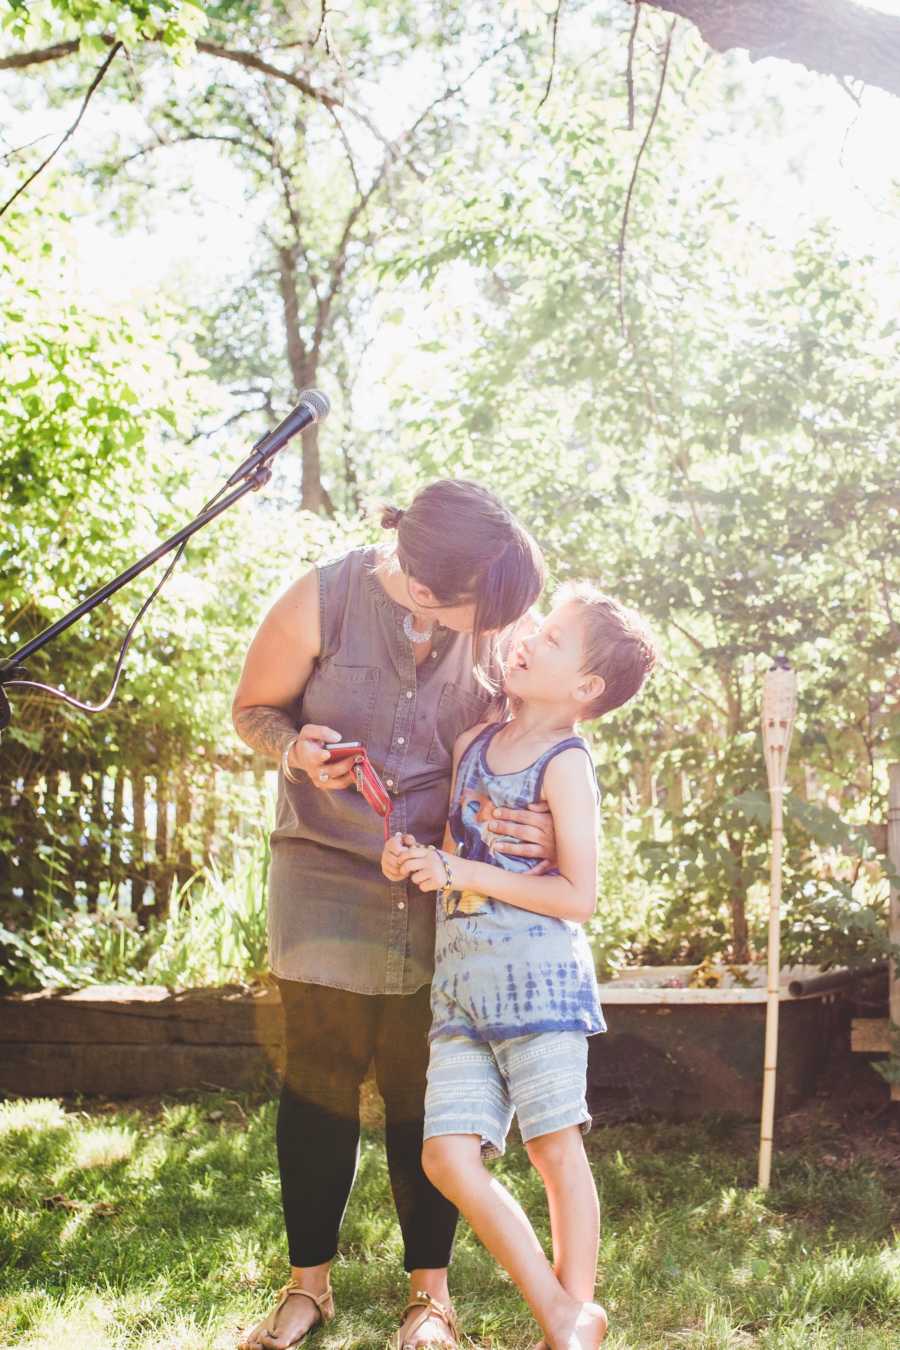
540, 719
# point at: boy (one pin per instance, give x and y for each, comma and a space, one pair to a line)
514, 996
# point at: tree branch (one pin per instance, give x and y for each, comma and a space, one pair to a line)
247, 59
830, 37
253, 62
349, 150
620, 248
629, 68
165, 144
392, 157
95, 82
22, 59
552, 55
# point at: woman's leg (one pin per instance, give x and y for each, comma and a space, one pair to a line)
329, 1037
427, 1218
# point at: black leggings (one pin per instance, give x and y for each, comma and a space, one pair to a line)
332, 1037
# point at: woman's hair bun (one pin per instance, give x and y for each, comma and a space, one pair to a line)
391, 517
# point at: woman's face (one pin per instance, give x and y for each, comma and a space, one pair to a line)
459, 617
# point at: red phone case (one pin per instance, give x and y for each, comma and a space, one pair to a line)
372, 788
367, 780
338, 752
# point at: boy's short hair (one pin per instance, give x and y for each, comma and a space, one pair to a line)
618, 645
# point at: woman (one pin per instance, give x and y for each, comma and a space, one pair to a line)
397, 650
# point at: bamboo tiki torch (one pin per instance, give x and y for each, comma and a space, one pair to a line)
779, 708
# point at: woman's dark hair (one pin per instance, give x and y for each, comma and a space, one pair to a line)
461, 542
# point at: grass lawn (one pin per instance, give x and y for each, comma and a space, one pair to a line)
158, 1225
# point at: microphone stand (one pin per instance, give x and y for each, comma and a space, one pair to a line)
12, 668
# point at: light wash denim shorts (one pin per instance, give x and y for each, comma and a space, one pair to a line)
474, 1087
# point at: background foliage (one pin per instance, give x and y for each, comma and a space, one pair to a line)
693, 404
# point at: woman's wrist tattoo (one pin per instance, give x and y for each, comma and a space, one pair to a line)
265, 729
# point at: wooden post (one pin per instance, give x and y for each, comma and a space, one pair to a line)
779, 711
893, 851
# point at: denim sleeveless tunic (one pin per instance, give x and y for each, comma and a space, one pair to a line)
500, 971
333, 917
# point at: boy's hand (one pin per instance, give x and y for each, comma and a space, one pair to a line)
424, 868
394, 853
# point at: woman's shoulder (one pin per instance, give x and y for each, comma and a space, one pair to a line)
350, 561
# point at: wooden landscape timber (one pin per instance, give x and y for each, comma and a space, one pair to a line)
119, 1041
675, 1052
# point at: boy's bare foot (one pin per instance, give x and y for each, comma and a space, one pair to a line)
584, 1328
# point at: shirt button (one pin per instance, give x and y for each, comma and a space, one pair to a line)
409, 693
390, 782
401, 904
401, 740
434, 656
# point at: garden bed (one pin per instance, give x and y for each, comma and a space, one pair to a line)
682, 1052
126, 1041
674, 1051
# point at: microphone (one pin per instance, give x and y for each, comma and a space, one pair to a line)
313, 407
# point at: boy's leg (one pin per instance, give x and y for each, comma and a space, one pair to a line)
546, 1074
574, 1209
467, 1103
453, 1162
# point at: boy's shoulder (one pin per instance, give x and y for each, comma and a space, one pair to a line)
465, 738
572, 765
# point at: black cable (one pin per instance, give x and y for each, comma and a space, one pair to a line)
126, 642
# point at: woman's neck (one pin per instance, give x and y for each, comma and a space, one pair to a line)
394, 580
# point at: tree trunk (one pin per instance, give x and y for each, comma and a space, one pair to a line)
830, 37
138, 845
302, 364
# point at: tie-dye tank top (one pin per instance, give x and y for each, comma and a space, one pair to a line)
501, 971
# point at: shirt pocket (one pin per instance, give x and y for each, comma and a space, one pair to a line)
344, 698
457, 710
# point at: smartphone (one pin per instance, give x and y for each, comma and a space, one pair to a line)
344, 749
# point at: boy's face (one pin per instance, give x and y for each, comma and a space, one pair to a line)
548, 664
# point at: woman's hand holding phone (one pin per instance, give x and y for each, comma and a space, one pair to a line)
310, 753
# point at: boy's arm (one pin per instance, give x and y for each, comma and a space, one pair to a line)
395, 849
571, 792
460, 745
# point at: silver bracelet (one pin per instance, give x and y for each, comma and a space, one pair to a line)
285, 767
448, 875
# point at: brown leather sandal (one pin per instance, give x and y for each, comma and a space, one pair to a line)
430, 1308
324, 1304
